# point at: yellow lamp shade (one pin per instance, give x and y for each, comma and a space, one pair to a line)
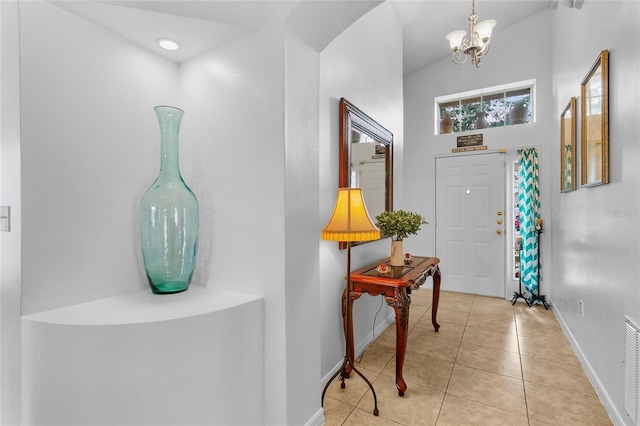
350, 220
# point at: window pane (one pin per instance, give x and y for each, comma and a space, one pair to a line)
470, 101
594, 97
453, 109
469, 108
448, 104
495, 108
499, 95
519, 92
454, 113
519, 106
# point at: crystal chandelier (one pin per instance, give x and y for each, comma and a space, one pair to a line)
478, 45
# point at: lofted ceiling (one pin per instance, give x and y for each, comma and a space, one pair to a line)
425, 23
202, 25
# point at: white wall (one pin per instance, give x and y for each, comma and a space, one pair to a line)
363, 65
90, 146
72, 166
596, 230
90, 149
89, 143
10, 243
235, 95
506, 63
243, 119
302, 276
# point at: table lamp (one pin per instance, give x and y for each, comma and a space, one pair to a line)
350, 222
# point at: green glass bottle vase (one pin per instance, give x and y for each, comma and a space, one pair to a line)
169, 217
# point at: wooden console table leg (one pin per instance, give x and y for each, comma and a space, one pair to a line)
400, 306
436, 298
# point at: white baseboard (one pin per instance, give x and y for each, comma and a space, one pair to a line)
380, 326
317, 419
359, 346
608, 404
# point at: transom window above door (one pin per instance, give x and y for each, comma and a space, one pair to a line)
497, 106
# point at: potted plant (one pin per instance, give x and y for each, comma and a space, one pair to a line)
398, 225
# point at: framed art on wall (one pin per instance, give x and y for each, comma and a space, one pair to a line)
568, 147
594, 115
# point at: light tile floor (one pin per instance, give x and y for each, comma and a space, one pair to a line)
491, 363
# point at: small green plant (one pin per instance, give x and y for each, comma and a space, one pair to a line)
399, 224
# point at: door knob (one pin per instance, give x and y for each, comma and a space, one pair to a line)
499, 232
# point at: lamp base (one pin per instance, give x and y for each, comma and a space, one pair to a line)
348, 361
343, 373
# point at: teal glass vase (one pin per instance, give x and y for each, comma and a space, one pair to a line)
169, 217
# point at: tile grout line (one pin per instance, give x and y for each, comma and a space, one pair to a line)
455, 361
524, 388
523, 320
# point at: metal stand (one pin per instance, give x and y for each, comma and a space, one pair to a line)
519, 294
343, 372
537, 297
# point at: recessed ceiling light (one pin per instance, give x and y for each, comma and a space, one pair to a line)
167, 43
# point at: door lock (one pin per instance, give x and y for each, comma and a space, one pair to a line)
499, 232
499, 222
499, 212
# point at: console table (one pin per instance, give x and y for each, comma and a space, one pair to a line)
396, 286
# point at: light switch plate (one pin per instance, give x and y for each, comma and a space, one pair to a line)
5, 218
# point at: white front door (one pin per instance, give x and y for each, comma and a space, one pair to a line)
371, 178
471, 223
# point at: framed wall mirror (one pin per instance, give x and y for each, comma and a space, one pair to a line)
568, 147
594, 106
366, 158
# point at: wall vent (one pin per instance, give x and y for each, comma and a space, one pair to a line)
631, 369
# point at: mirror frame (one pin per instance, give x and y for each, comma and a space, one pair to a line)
588, 133
568, 145
353, 118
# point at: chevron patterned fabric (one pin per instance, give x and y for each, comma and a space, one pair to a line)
529, 207
567, 167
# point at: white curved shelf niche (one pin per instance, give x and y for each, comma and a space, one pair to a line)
191, 358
